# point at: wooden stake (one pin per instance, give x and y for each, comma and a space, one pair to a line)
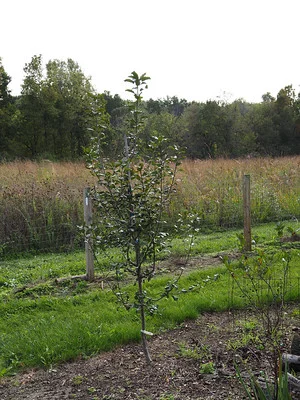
88, 218
247, 213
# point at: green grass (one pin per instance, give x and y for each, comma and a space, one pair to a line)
44, 322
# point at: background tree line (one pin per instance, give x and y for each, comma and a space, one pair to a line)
57, 111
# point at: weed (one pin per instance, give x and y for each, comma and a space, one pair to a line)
214, 327
173, 373
267, 390
188, 352
197, 352
241, 241
207, 368
265, 288
279, 227
167, 397
248, 325
77, 380
246, 339
81, 287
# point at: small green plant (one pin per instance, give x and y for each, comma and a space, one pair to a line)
241, 241
292, 231
77, 380
249, 325
214, 327
279, 227
266, 390
167, 397
196, 352
265, 288
246, 339
188, 352
207, 368
250, 336
81, 287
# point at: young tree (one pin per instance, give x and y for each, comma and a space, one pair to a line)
130, 199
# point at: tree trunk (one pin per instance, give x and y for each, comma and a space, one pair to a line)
142, 304
145, 348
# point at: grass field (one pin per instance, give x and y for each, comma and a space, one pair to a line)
41, 204
44, 320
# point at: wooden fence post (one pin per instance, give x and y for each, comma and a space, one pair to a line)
247, 213
88, 217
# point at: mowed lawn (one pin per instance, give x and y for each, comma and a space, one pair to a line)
45, 319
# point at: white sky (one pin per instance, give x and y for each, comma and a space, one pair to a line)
193, 49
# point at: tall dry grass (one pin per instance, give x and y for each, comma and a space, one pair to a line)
41, 203
213, 189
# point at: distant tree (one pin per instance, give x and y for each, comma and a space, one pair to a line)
262, 119
268, 98
31, 107
166, 124
55, 109
241, 138
296, 145
174, 106
7, 114
285, 119
154, 106
112, 140
205, 130
115, 107
171, 105
5, 79
74, 102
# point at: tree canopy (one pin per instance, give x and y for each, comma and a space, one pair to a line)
53, 117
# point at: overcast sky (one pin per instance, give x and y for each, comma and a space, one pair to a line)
193, 49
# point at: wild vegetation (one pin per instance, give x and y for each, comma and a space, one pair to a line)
41, 203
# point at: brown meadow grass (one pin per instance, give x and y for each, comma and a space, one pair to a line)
213, 189
41, 202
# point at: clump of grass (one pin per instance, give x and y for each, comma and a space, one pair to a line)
207, 368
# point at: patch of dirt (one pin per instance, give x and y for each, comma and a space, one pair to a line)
180, 359
293, 238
